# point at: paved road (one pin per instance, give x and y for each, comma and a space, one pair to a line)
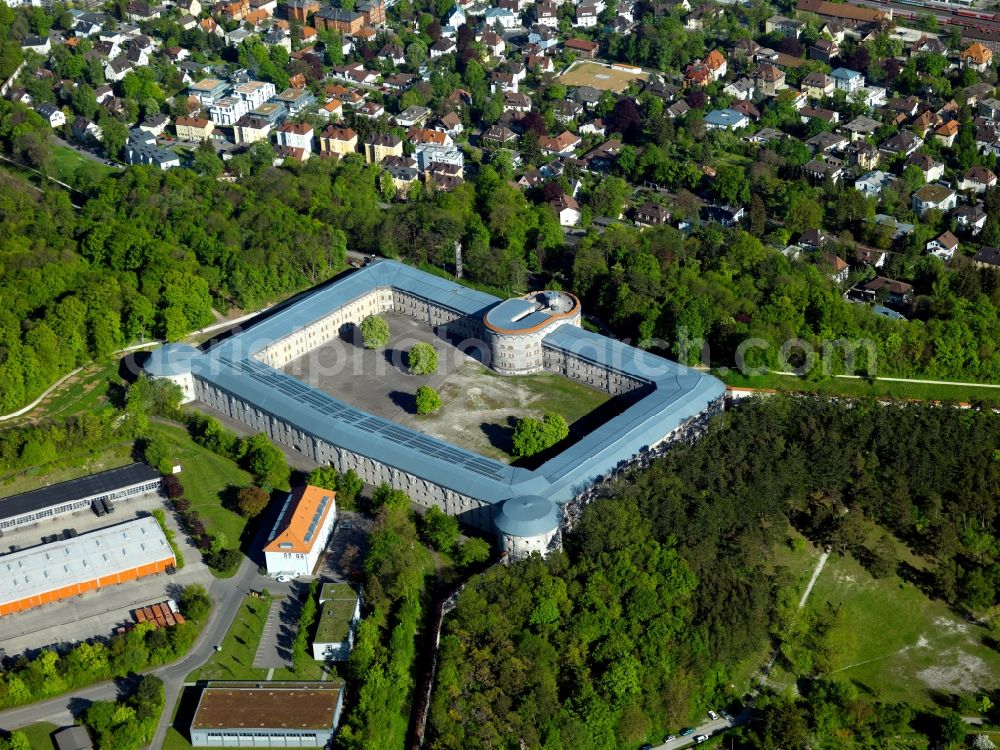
709, 728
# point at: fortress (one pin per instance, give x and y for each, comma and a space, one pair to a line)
241, 377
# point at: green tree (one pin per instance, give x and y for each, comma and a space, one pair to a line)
265, 460
195, 603
533, 435
374, 332
385, 496
427, 399
114, 135
422, 359
473, 551
159, 453
439, 529
251, 501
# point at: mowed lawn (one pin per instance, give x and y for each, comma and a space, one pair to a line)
207, 479
235, 660
40, 735
72, 167
897, 642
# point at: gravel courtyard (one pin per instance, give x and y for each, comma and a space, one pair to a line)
479, 406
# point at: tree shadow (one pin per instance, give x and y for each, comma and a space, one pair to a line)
398, 358
351, 333
919, 578
501, 436
77, 706
405, 401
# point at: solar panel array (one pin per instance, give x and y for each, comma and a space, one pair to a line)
341, 412
315, 519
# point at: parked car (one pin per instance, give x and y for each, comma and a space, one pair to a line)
687, 732
670, 738
712, 715
700, 738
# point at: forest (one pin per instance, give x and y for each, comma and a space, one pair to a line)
632, 630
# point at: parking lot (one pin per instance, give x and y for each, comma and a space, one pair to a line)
342, 562
95, 613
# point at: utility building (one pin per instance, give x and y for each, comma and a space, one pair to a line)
114, 486
58, 570
301, 531
271, 714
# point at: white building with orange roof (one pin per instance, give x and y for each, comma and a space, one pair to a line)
977, 56
301, 532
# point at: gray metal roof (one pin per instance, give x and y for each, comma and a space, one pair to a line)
170, 360
528, 515
77, 489
676, 394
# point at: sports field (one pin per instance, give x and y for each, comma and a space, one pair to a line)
600, 76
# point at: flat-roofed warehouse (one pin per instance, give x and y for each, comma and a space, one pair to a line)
105, 557
77, 494
272, 714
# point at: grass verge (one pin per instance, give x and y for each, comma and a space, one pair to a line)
207, 478
40, 735
235, 660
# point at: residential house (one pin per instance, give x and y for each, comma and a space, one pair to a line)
818, 85
770, 79
989, 108
451, 124
338, 142
651, 215
727, 216
826, 142
987, 257
898, 229
208, 90
943, 246
428, 154
225, 112
371, 110
565, 143
848, 80
40, 45
861, 127
493, 43
193, 128
296, 100
295, 136
869, 256
742, 88
946, 132
746, 107
413, 116
933, 197
880, 289
818, 171
141, 148
155, 124
115, 70
823, 50
726, 119
344, 22
903, 143
715, 61
583, 48
931, 170
506, 19
373, 12
250, 129
829, 116
839, 269
863, 155
381, 145
499, 136
85, 131
54, 116
906, 106
785, 26
976, 56
873, 183
301, 10
516, 102
977, 179
567, 209
970, 219
443, 47
416, 136
566, 110
547, 14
